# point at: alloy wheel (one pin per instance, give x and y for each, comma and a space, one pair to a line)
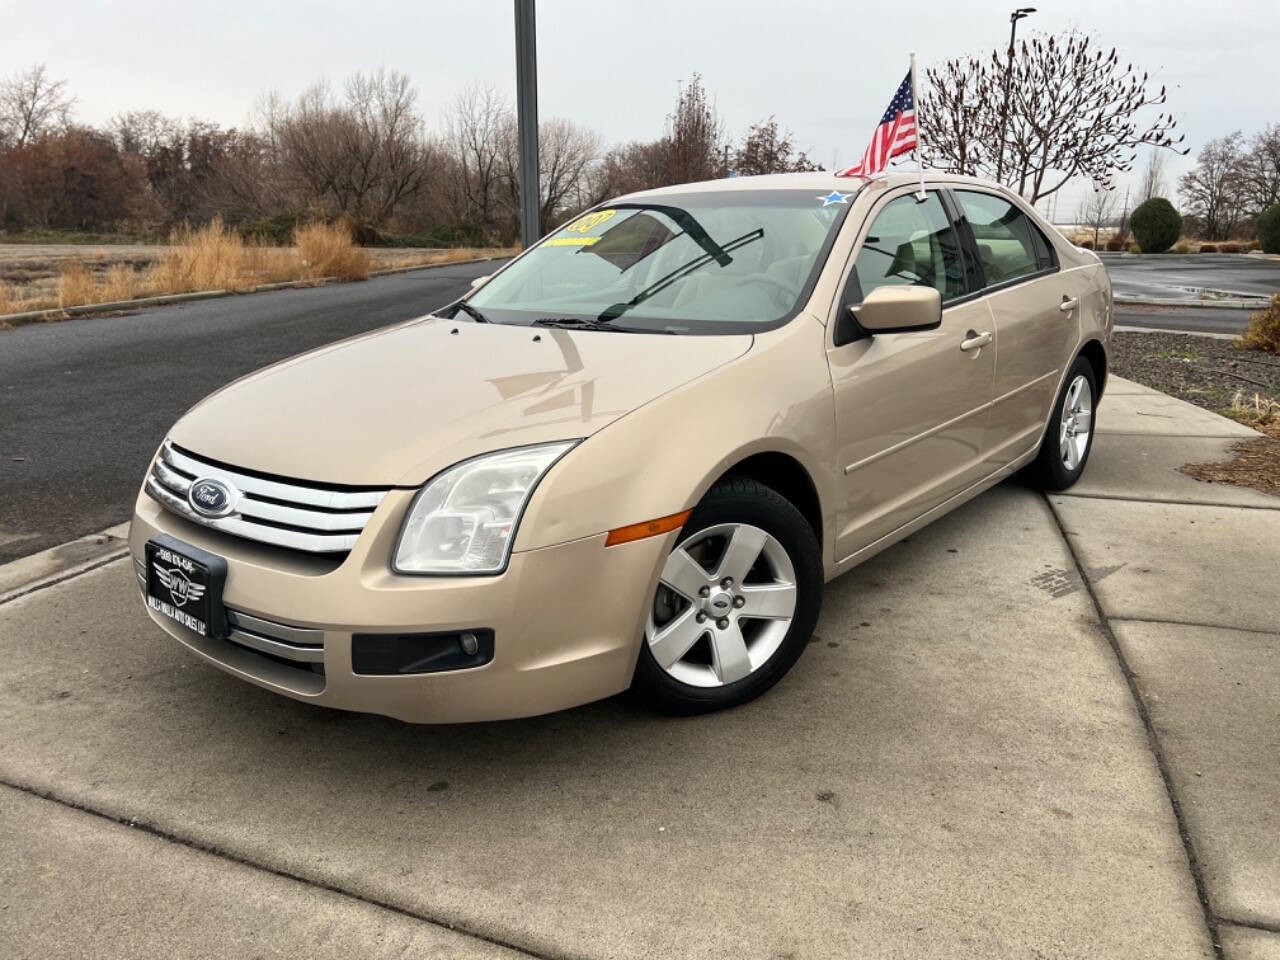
1076, 423
725, 601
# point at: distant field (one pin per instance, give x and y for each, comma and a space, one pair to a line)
29, 272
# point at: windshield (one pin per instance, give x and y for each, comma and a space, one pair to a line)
699, 263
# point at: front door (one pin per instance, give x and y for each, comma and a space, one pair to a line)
912, 407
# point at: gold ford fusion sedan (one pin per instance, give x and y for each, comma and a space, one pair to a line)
632, 456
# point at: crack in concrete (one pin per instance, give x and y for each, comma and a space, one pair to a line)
231, 857
1168, 501
1197, 623
1252, 925
1131, 680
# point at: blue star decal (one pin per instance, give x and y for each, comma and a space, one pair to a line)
835, 196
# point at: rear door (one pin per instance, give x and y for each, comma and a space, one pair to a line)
911, 407
1036, 315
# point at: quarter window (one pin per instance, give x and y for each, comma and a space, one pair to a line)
911, 243
1009, 244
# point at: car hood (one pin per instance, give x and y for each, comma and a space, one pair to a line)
395, 406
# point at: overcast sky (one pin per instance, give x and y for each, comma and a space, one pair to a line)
825, 70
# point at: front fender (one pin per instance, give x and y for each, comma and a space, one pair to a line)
662, 457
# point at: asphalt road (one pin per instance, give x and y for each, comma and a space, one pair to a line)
1189, 319
84, 403
1181, 277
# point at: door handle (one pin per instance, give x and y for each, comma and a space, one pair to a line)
975, 341
1068, 304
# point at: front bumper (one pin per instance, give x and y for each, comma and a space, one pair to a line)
567, 619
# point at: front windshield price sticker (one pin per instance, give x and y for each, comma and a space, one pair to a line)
589, 220
580, 227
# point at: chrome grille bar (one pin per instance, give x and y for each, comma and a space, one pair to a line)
284, 514
278, 639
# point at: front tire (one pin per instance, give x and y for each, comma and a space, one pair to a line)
1064, 451
736, 603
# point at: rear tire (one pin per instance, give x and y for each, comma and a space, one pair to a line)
736, 605
1064, 451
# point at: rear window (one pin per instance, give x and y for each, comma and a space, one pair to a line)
1009, 244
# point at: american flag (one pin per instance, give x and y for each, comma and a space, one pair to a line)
895, 135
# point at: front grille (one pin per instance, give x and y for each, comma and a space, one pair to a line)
314, 518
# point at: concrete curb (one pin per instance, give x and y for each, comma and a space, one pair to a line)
28, 574
1122, 328
63, 313
1230, 303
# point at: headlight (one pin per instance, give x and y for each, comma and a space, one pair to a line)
465, 519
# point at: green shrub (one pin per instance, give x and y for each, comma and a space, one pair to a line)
277, 230
1156, 225
1269, 229
1264, 328
1134, 248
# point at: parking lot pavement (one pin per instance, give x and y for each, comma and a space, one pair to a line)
956, 767
1184, 574
1178, 277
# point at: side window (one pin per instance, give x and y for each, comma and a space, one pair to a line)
911, 242
1009, 244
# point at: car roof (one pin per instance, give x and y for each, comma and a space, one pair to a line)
821, 180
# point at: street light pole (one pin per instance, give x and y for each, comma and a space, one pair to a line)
1008, 73
527, 121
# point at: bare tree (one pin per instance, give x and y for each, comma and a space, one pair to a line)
479, 125
694, 145
1073, 112
1260, 171
1095, 211
1153, 184
30, 103
1213, 189
359, 155
766, 148
566, 155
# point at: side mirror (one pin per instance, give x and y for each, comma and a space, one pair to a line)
479, 282
898, 309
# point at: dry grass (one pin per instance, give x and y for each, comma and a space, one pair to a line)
210, 258
392, 259
1258, 411
1263, 332
120, 282
327, 250
76, 284
213, 257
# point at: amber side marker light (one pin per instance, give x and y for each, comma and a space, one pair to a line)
649, 528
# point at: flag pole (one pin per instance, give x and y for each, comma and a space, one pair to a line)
915, 152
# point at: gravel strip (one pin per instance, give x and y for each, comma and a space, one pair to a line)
1200, 370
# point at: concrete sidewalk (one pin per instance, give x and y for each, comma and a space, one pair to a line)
997, 746
1183, 573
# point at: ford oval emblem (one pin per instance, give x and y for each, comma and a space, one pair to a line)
210, 498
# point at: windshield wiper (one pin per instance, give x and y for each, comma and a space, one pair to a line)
471, 312
578, 323
618, 309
